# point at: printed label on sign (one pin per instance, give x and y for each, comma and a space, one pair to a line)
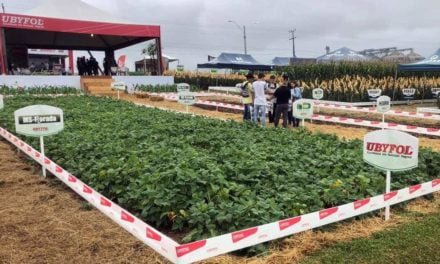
302, 109
187, 98
1, 102
374, 94
182, 87
391, 150
118, 86
39, 120
409, 93
383, 104
318, 94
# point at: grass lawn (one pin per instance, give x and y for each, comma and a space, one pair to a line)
414, 242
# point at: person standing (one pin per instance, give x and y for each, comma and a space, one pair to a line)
247, 96
283, 96
260, 102
296, 95
271, 87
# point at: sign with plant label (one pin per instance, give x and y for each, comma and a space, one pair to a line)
435, 92
39, 120
391, 150
383, 104
183, 87
180, 68
302, 109
2, 105
318, 94
409, 93
374, 94
214, 71
187, 98
118, 86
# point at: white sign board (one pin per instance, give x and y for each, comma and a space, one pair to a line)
391, 150
118, 86
39, 120
187, 98
435, 92
374, 93
302, 109
410, 92
318, 94
2, 105
182, 87
383, 104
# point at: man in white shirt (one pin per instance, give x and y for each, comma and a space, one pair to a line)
260, 101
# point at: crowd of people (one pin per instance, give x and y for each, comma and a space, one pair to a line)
259, 94
87, 67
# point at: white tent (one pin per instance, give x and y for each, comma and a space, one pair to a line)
73, 9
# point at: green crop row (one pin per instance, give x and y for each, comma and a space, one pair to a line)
38, 90
204, 177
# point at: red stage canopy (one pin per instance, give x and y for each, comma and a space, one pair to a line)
54, 33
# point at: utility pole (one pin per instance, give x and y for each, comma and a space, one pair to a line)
293, 41
244, 37
3, 8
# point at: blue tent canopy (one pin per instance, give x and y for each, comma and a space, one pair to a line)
281, 61
235, 61
430, 64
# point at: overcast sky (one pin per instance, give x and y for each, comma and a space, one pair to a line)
194, 29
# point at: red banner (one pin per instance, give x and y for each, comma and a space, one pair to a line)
77, 26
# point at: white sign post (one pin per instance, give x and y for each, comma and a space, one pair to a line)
2, 105
408, 93
187, 98
391, 150
182, 87
373, 94
302, 109
119, 86
383, 105
318, 94
39, 121
435, 92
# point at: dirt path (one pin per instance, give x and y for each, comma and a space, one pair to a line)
41, 221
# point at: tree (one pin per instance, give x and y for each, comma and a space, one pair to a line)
151, 51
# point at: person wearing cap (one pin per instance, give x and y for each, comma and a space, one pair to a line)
247, 96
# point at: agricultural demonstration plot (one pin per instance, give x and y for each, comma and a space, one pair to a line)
198, 177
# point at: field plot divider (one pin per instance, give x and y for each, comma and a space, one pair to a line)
142, 231
203, 249
214, 246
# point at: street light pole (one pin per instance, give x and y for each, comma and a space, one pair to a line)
244, 34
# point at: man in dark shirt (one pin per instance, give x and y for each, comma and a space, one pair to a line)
283, 96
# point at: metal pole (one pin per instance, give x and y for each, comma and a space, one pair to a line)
383, 121
42, 156
244, 37
388, 189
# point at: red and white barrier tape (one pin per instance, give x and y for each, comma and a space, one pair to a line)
203, 249
147, 234
377, 124
211, 247
373, 110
